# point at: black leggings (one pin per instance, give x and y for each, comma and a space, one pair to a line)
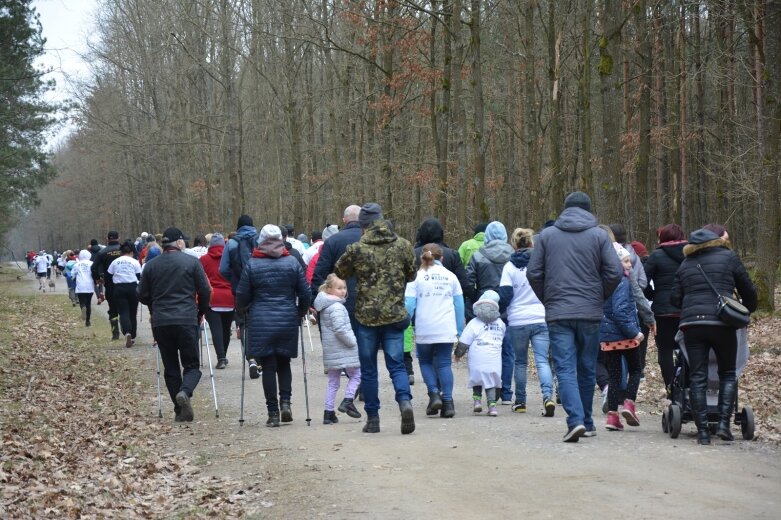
666, 329
126, 305
613, 365
699, 341
220, 327
276, 367
85, 302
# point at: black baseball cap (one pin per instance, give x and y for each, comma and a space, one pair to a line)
172, 234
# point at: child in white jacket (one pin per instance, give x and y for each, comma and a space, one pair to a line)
340, 348
85, 286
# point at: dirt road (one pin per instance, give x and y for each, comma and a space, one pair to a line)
511, 466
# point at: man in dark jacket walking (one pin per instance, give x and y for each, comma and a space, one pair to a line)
331, 250
382, 264
168, 287
573, 270
103, 278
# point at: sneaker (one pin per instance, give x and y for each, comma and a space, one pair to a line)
128, 340
222, 363
574, 433
254, 371
478, 405
614, 422
507, 402
604, 400
492, 412
590, 432
185, 408
519, 408
629, 413
550, 407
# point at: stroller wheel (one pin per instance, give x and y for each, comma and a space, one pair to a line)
674, 420
747, 423
665, 428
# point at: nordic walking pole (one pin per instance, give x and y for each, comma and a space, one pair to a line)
303, 363
243, 366
309, 331
200, 344
206, 332
159, 395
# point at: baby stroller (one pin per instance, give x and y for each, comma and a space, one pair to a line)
679, 411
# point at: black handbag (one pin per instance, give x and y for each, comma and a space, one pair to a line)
729, 310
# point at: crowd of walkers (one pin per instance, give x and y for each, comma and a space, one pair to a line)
583, 297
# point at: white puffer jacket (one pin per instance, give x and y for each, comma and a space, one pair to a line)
340, 349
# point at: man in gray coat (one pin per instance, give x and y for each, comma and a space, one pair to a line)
168, 287
573, 270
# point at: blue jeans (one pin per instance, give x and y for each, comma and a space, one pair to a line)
520, 337
392, 341
575, 346
435, 365
508, 367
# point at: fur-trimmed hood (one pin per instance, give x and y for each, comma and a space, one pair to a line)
701, 240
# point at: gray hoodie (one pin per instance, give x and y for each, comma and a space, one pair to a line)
484, 271
340, 349
574, 268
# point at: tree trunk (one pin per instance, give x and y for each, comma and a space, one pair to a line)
609, 187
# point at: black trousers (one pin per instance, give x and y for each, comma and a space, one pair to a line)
112, 306
126, 304
220, 327
613, 365
85, 302
179, 343
700, 339
666, 329
276, 368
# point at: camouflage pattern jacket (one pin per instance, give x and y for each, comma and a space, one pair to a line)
382, 264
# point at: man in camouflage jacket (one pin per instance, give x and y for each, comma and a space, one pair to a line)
382, 264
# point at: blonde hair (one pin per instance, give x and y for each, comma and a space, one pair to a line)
430, 253
608, 231
522, 238
330, 281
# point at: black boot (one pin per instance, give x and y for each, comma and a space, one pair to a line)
727, 390
329, 417
347, 406
434, 403
372, 424
448, 409
285, 412
273, 419
407, 417
699, 408
114, 328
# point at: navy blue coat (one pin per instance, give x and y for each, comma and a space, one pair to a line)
620, 315
331, 250
267, 291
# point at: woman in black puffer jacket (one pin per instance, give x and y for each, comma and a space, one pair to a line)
267, 292
660, 268
702, 329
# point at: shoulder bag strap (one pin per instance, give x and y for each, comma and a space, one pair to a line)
708, 280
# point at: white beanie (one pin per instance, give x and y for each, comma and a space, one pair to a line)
269, 231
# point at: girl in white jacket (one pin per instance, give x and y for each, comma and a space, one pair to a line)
340, 348
85, 286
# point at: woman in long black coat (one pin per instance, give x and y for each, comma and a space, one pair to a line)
274, 293
702, 328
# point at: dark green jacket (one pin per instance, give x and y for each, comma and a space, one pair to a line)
382, 264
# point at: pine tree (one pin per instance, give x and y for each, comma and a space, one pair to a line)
24, 115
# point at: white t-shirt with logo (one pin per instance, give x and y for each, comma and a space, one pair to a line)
435, 313
124, 270
525, 308
41, 263
485, 352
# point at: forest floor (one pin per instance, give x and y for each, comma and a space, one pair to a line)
81, 438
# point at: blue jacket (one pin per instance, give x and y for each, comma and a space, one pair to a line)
574, 268
620, 315
267, 291
234, 257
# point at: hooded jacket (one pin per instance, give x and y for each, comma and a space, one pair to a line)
726, 272
660, 268
485, 268
382, 264
620, 315
82, 273
574, 268
222, 296
236, 253
340, 348
431, 232
469, 247
274, 293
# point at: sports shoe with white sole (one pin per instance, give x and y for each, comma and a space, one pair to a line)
574, 433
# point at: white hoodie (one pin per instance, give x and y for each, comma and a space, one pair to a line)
82, 273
